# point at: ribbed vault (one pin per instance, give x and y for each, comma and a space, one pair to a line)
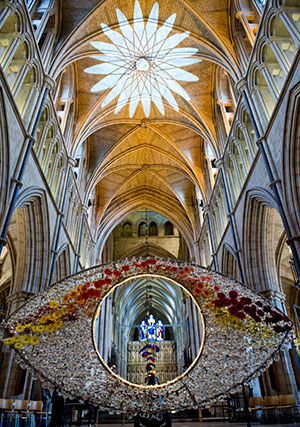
160, 161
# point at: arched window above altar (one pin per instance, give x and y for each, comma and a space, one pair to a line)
151, 330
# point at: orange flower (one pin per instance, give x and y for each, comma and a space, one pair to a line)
73, 294
71, 306
206, 293
66, 298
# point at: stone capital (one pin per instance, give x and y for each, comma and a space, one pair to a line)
17, 298
274, 294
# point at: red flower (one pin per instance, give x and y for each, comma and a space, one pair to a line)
84, 295
218, 303
97, 293
206, 292
125, 268
200, 285
205, 278
152, 261
108, 281
260, 313
233, 310
216, 288
221, 295
241, 315
186, 269
239, 306
117, 273
108, 272
198, 291
233, 294
144, 264
99, 283
174, 268
246, 300
91, 292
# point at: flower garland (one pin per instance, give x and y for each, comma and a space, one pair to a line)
241, 334
229, 310
149, 352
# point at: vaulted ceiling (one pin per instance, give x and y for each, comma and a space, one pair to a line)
136, 161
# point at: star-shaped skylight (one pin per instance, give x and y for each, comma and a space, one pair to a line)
143, 63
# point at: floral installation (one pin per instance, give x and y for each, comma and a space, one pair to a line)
149, 352
52, 334
228, 309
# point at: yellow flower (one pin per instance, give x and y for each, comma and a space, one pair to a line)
53, 304
51, 329
34, 340
20, 328
58, 324
8, 341
27, 326
18, 345
25, 339
43, 319
48, 328
65, 310
66, 298
33, 328
56, 314
40, 328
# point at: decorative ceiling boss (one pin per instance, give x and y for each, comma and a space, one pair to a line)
143, 62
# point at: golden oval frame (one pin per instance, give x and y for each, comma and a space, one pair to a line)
118, 377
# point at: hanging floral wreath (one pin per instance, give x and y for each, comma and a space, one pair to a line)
243, 333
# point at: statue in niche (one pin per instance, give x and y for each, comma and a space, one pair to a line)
143, 331
159, 331
151, 328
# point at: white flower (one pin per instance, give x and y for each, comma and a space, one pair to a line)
143, 63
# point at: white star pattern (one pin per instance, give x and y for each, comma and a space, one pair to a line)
143, 63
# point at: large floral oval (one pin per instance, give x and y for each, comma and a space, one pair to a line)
53, 335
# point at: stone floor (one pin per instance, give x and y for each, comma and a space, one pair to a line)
207, 424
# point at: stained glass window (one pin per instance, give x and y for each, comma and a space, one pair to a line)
152, 330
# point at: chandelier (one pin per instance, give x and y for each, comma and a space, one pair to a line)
53, 335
